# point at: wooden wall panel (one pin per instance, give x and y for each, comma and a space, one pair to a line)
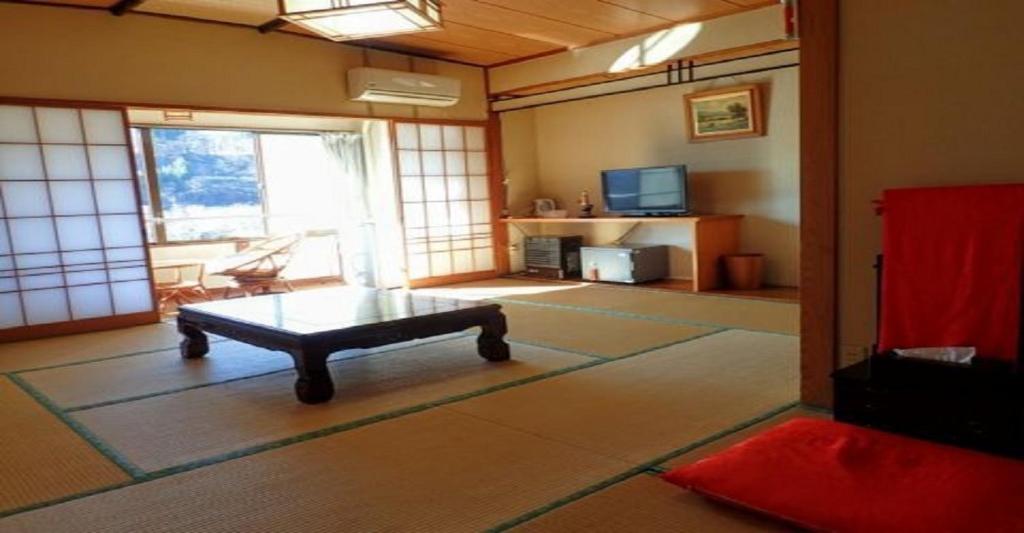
540, 28
679, 10
424, 45
592, 14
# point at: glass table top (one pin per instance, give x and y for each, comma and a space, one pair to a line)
330, 309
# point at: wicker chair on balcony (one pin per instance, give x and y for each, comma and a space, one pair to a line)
257, 269
181, 283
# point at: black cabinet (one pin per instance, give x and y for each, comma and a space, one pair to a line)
979, 406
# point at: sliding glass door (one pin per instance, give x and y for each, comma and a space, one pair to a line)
446, 201
72, 255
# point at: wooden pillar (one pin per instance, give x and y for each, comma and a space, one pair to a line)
819, 155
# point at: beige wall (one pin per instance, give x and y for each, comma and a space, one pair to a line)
931, 93
756, 177
519, 153
60, 53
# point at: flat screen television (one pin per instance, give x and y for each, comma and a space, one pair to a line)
650, 191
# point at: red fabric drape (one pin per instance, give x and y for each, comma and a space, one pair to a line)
952, 271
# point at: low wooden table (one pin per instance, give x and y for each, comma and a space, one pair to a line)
311, 325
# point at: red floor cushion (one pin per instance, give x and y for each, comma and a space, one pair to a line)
825, 475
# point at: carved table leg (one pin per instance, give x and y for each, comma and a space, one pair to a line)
490, 344
314, 384
194, 345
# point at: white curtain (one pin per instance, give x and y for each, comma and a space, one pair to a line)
384, 204
356, 231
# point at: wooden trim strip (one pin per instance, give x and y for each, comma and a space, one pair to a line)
118, 105
40, 331
650, 87
740, 53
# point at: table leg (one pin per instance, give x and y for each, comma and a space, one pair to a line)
314, 383
195, 344
490, 344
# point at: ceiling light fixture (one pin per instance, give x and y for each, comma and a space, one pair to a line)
343, 20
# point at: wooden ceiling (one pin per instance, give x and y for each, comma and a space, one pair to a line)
476, 32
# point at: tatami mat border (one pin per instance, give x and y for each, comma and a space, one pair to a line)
559, 348
106, 358
608, 358
102, 447
637, 316
140, 476
127, 399
652, 467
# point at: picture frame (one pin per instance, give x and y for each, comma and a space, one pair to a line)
543, 205
728, 113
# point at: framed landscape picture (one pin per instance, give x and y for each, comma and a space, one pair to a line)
730, 113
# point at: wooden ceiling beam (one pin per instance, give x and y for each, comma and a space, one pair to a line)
271, 25
124, 6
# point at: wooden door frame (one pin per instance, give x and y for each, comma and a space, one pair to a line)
818, 23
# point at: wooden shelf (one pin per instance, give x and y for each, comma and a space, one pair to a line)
688, 219
712, 236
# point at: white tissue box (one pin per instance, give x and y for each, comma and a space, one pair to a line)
947, 354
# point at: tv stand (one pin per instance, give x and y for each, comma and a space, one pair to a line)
712, 236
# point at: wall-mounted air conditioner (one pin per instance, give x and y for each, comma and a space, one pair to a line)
396, 87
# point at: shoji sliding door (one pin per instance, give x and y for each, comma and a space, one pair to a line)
72, 253
446, 201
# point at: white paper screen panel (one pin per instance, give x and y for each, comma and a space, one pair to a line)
445, 199
71, 245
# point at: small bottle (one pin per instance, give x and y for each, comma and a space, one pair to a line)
592, 272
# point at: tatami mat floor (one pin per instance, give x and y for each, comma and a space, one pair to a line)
606, 387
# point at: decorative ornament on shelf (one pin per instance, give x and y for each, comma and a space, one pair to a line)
586, 208
543, 206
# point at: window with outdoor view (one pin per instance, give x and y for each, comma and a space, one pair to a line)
208, 185
205, 184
